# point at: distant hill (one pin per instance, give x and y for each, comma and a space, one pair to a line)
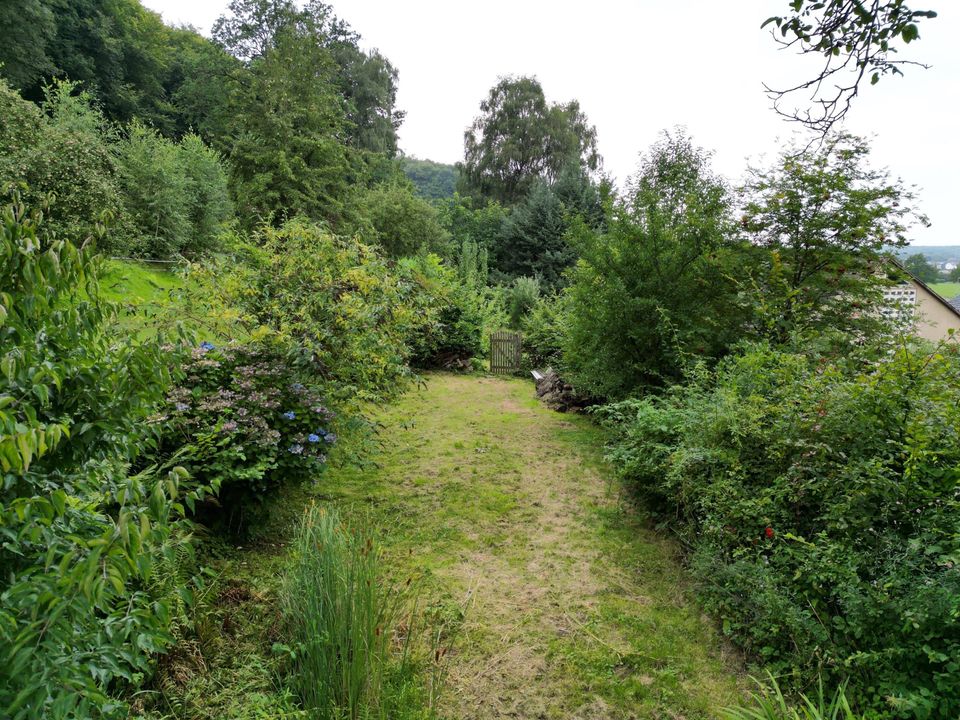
432, 179
933, 253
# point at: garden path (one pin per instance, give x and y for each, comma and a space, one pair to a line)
574, 607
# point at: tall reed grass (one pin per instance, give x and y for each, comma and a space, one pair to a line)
771, 704
352, 631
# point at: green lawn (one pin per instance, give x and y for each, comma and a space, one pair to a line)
568, 604
143, 291
137, 283
949, 290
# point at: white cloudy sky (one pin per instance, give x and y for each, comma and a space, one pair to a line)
640, 67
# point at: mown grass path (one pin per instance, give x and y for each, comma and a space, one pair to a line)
575, 608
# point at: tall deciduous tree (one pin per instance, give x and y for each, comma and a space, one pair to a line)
116, 48
654, 287
286, 130
921, 268
823, 219
519, 138
366, 81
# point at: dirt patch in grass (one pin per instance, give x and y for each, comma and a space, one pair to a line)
576, 609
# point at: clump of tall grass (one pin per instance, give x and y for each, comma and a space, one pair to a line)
771, 704
352, 632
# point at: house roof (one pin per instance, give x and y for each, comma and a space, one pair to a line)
949, 304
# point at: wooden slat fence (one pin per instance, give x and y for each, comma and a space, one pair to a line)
505, 349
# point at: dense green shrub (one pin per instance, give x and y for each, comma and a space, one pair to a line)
452, 314
521, 298
175, 195
466, 221
243, 421
543, 332
158, 197
64, 151
401, 222
208, 197
820, 500
333, 296
654, 287
80, 538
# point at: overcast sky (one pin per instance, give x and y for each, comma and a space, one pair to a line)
638, 68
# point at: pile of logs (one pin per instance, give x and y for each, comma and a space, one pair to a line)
556, 393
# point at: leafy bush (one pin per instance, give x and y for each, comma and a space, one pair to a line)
819, 498
175, 195
208, 198
452, 313
80, 607
543, 332
401, 222
653, 287
522, 296
242, 423
64, 151
357, 319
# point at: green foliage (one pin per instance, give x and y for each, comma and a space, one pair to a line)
653, 289
452, 313
402, 223
310, 114
207, 201
819, 500
332, 296
284, 135
520, 139
64, 152
155, 190
350, 657
175, 194
468, 223
243, 422
79, 606
921, 268
822, 220
544, 329
433, 180
522, 296
770, 704
472, 264
532, 242
118, 50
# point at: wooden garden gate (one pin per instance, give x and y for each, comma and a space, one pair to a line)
505, 352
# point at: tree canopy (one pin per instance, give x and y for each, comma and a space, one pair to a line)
520, 138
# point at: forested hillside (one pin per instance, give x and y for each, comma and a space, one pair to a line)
218, 274
433, 180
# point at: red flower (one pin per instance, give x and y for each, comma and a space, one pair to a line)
769, 533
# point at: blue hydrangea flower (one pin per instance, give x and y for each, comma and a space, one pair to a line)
295, 449
289, 415
330, 438
313, 438
207, 345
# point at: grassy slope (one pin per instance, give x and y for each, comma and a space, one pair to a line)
140, 290
947, 289
573, 606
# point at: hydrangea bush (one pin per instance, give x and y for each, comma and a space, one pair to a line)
245, 420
